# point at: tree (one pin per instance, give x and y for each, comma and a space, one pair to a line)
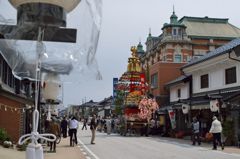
119, 101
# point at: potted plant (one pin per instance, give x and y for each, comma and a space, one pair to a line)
7, 144
3, 136
22, 147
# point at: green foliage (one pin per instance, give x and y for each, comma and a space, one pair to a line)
119, 100
22, 147
228, 131
3, 135
118, 110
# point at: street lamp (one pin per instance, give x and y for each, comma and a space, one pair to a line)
47, 18
68, 5
48, 14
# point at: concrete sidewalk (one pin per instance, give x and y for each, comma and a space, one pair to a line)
63, 151
9, 153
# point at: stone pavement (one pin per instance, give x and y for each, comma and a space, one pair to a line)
64, 151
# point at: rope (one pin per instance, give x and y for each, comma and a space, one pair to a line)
34, 149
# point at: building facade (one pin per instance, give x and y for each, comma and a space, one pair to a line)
215, 87
181, 41
209, 87
16, 101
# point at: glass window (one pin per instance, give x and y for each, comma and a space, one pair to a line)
5, 72
189, 58
178, 58
179, 93
179, 32
174, 31
204, 81
154, 80
1, 66
230, 75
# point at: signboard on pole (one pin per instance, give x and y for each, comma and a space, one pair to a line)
115, 82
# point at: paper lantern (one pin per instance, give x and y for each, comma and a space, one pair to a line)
51, 87
68, 5
185, 108
214, 105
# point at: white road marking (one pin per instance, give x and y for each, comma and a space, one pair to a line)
95, 156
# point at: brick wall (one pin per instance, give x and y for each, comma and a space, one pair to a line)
166, 73
11, 120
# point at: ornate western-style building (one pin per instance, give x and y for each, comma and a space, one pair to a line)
181, 41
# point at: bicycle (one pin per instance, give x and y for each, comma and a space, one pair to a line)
73, 141
58, 139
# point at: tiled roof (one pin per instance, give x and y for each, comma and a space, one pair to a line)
217, 52
177, 80
210, 27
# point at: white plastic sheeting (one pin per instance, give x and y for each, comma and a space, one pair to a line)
75, 60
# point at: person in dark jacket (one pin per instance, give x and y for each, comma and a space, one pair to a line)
64, 125
93, 126
85, 124
196, 131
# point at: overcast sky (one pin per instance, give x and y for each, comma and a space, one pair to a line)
125, 22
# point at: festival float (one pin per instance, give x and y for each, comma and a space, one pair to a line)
136, 112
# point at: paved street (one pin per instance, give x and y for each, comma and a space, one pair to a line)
118, 147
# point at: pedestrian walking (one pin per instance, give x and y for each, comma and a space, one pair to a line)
113, 125
93, 126
84, 123
216, 130
196, 131
108, 125
64, 124
54, 128
73, 126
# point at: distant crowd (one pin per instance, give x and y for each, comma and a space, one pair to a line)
64, 127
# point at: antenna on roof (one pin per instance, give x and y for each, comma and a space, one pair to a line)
173, 9
149, 32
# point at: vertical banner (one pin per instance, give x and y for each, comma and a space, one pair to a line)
115, 82
172, 117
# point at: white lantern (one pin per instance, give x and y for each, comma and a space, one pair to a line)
51, 86
185, 108
214, 105
68, 5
